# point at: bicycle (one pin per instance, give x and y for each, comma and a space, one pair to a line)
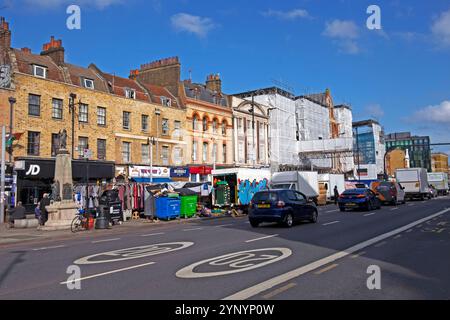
80, 222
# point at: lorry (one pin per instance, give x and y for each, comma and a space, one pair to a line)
306, 182
239, 184
415, 182
330, 181
440, 181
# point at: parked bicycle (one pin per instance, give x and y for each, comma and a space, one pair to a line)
80, 222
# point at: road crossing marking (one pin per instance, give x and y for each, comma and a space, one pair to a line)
263, 238
288, 276
330, 223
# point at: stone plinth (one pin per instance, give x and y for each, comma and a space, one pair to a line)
60, 216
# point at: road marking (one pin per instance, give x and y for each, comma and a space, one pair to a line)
263, 238
411, 204
332, 211
279, 290
394, 209
410, 230
440, 230
107, 273
326, 269
193, 229
49, 248
358, 255
370, 214
380, 244
397, 236
330, 223
107, 240
223, 225
152, 234
278, 280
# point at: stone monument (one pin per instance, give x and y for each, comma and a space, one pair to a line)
63, 208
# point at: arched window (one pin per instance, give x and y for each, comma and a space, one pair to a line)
224, 128
195, 122
205, 124
215, 125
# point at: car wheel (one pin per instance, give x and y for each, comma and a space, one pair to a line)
315, 217
289, 220
254, 224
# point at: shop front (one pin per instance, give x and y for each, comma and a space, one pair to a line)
35, 177
180, 174
147, 174
200, 174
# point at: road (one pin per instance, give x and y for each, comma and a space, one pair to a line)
227, 259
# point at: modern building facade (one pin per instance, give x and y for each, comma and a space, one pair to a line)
439, 162
418, 148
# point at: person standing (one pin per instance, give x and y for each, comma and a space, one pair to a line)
336, 195
43, 208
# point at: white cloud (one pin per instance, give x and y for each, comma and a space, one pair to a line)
344, 33
437, 114
441, 29
199, 26
287, 15
374, 111
49, 4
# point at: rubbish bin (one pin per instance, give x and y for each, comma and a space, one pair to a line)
103, 218
168, 208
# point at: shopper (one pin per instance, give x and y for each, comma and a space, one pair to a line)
43, 208
336, 195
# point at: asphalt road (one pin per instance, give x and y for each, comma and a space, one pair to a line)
227, 259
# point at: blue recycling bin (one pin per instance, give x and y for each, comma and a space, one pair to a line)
168, 208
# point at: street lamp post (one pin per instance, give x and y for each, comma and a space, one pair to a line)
151, 142
357, 155
12, 101
252, 110
157, 113
72, 98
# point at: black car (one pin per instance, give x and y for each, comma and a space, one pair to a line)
281, 206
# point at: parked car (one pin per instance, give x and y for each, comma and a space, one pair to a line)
389, 192
282, 206
362, 198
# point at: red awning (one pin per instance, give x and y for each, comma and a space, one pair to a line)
203, 170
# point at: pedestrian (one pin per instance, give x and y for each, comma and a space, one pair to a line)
43, 208
17, 213
336, 195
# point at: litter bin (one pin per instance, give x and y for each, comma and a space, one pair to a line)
110, 204
189, 201
103, 218
168, 208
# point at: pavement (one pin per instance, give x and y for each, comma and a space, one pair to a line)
214, 259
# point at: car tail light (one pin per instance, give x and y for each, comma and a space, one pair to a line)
360, 196
281, 204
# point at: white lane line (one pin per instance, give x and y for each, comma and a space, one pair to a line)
332, 211
49, 248
193, 229
107, 273
276, 281
330, 223
223, 225
107, 240
370, 214
152, 234
411, 205
263, 238
395, 209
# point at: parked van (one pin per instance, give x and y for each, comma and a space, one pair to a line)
306, 182
415, 181
389, 192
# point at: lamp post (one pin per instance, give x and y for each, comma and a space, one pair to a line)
151, 143
252, 111
12, 101
357, 155
214, 148
72, 98
157, 113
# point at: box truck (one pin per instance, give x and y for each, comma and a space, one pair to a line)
440, 181
330, 181
306, 182
415, 182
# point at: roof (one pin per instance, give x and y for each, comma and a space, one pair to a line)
364, 123
117, 85
157, 92
343, 106
265, 91
200, 92
77, 74
319, 98
26, 60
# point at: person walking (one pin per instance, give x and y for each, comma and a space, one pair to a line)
42, 207
336, 195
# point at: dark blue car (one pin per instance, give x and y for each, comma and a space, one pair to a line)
281, 206
361, 198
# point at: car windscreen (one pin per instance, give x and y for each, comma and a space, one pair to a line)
265, 197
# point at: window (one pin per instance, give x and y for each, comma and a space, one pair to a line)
224, 153
126, 120
55, 144
130, 93
34, 105
165, 127
165, 155
195, 123
126, 152
33, 143
194, 151
240, 126
83, 144
89, 84
166, 101
224, 128
145, 153
57, 109
101, 116
214, 152
101, 149
144, 123
205, 124
83, 113
40, 72
177, 127
214, 125
177, 155
205, 152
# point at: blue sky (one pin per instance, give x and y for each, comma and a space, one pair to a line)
400, 75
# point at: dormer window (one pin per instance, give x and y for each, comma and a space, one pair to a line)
166, 101
39, 71
89, 84
130, 93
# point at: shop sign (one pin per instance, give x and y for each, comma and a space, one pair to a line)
146, 172
179, 172
201, 170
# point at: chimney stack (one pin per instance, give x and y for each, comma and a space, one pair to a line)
54, 50
134, 74
26, 50
5, 38
165, 73
214, 83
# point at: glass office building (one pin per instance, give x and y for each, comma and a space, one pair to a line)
418, 147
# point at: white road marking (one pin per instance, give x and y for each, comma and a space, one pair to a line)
49, 248
370, 214
332, 211
152, 234
223, 225
107, 240
263, 238
395, 209
276, 281
193, 229
107, 273
411, 204
330, 223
